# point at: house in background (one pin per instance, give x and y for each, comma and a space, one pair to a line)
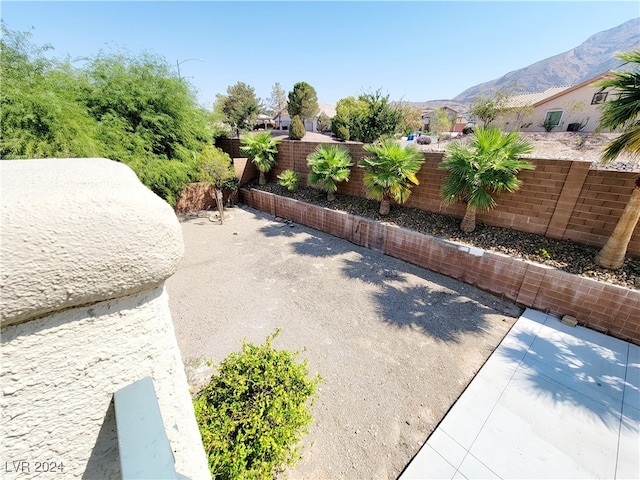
282, 119
428, 115
557, 109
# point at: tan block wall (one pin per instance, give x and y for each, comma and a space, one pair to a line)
560, 199
608, 308
599, 205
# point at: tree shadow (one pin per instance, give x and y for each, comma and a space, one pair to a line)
568, 370
438, 306
405, 295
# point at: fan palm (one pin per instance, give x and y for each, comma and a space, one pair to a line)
329, 164
622, 112
261, 148
488, 164
391, 170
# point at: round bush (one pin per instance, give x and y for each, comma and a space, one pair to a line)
423, 140
296, 130
254, 411
343, 133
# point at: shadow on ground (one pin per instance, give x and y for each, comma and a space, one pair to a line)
443, 308
577, 363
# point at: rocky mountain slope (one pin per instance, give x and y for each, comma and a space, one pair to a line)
594, 56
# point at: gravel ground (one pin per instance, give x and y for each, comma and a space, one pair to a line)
395, 344
562, 254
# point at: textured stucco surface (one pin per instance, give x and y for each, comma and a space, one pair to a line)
78, 231
58, 376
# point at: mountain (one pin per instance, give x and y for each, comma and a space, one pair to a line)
593, 57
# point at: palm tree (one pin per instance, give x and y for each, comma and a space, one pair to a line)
391, 169
329, 164
623, 112
488, 164
261, 148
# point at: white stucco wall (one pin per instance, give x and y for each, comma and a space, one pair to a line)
85, 249
59, 374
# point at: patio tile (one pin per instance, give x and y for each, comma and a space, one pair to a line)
446, 446
629, 448
467, 416
473, 468
632, 387
553, 430
428, 464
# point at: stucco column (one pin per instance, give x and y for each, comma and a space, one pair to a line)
85, 250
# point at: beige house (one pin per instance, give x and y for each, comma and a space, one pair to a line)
558, 109
283, 120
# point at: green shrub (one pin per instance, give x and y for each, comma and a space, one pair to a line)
289, 179
324, 123
296, 130
343, 133
254, 411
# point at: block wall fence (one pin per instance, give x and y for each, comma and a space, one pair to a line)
560, 199
607, 308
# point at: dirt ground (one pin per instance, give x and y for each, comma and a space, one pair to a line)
395, 344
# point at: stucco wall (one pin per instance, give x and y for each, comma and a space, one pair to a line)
59, 374
85, 250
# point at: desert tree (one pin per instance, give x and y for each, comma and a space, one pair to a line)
303, 101
240, 106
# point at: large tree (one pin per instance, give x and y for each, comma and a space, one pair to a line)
278, 100
240, 106
367, 118
42, 112
488, 164
622, 112
129, 108
303, 101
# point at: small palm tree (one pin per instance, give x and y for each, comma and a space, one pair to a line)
329, 164
488, 164
391, 170
261, 148
623, 112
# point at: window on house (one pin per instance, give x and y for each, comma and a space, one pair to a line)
552, 118
599, 97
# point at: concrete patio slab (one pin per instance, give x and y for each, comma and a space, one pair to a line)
552, 401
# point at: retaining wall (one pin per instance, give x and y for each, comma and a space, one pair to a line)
608, 308
561, 199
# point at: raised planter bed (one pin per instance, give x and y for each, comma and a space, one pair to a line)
607, 308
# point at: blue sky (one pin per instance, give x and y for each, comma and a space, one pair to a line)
416, 51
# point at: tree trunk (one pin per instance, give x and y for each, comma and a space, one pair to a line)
612, 254
385, 206
262, 180
468, 223
218, 197
331, 196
